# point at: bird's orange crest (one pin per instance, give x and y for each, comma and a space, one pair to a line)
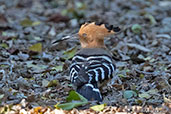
92, 34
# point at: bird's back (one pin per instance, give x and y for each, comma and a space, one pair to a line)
90, 66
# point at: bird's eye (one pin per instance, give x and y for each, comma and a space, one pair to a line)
84, 35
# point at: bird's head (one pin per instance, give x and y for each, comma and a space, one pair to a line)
92, 34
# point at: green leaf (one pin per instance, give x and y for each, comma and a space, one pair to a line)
70, 85
70, 53
148, 94
58, 68
83, 98
121, 75
74, 100
129, 93
139, 101
152, 91
27, 22
141, 76
136, 28
36, 47
70, 105
53, 83
151, 18
4, 45
37, 38
80, 5
98, 107
37, 67
144, 95
64, 12
73, 96
9, 34
36, 23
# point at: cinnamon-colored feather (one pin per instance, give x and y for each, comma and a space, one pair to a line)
92, 35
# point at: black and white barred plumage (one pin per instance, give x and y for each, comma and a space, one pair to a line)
89, 67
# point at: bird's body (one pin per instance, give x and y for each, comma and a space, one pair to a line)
90, 67
93, 64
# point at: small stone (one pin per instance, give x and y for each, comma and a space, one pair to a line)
74, 22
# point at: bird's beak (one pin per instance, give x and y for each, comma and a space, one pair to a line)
68, 37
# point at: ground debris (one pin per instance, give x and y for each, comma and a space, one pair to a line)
33, 69
164, 109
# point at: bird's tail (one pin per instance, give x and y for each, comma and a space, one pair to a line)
90, 92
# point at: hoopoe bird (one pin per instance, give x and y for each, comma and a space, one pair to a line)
93, 64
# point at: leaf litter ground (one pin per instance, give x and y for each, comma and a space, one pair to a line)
34, 73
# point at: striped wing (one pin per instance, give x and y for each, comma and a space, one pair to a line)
90, 69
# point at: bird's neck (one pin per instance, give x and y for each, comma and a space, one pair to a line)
93, 44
